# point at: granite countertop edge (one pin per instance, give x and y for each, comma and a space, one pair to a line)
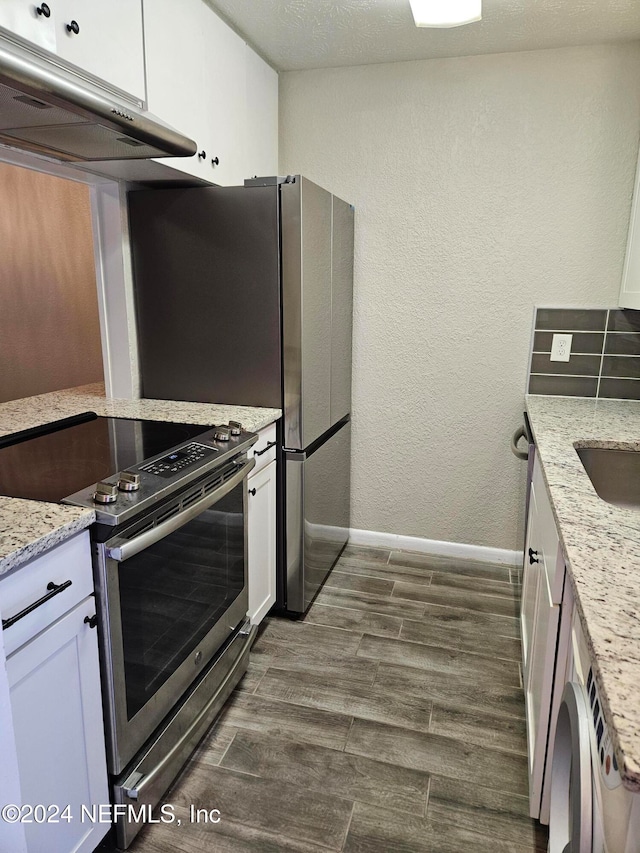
601, 544
29, 528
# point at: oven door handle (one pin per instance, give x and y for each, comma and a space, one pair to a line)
121, 549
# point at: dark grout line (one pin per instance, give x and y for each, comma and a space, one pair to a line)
346, 835
426, 802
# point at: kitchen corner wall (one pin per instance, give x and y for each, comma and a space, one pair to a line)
49, 324
483, 186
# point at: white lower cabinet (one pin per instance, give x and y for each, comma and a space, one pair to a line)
542, 588
56, 722
262, 541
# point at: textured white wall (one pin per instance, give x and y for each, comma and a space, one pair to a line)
483, 186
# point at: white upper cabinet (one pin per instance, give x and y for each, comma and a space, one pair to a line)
224, 100
103, 39
174, 48
203, 80
108, 42
179, 59
262, 117
33, 22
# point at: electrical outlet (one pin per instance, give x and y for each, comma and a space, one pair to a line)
561, 348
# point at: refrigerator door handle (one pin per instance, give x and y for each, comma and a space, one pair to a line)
295, 455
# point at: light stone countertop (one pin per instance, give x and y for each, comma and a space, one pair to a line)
34, 411
602, 546
28, 528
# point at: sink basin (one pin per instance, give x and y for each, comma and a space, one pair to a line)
615, 474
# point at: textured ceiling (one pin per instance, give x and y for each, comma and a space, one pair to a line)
296, 34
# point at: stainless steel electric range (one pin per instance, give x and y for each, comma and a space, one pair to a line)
170, 570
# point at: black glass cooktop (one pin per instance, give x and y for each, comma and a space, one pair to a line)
58, 463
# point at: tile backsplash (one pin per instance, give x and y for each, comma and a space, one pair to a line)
605, 353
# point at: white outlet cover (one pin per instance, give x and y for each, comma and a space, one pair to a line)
561, 348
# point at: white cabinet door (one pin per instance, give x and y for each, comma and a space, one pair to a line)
538, 689
108, 42
56, 706
103, 39
262, 542
530, 580
262, 117
22, 18
11, 834
540, 617
224, 102
175, 46
559, 679
203, 80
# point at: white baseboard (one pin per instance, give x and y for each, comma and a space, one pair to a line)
459, 550
325, 532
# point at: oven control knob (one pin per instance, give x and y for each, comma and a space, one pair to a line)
222, 433
235, 427
128, 481
105, 493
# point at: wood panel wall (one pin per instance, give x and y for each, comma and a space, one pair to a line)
49, 326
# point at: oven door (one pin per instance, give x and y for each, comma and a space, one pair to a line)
172, 589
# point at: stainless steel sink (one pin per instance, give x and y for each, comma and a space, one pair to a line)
615, 474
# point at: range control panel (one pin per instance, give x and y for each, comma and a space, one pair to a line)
178, 460
122, 496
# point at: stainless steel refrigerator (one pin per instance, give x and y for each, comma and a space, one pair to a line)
244, 296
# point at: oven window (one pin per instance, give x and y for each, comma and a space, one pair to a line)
174, 592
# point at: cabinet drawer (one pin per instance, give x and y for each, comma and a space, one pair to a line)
70, 560
264, 450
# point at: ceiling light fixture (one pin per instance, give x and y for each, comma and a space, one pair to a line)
445, 13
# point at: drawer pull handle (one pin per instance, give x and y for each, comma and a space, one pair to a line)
43, 10
54, 588
252, 492
73, 27
264, 449
91, 621
533, 557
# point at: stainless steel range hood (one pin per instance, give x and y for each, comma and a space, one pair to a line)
44, 111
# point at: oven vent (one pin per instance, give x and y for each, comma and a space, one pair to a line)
213, 484
192, 498
144, 528
172, 510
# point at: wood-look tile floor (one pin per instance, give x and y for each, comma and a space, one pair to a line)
389, 720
